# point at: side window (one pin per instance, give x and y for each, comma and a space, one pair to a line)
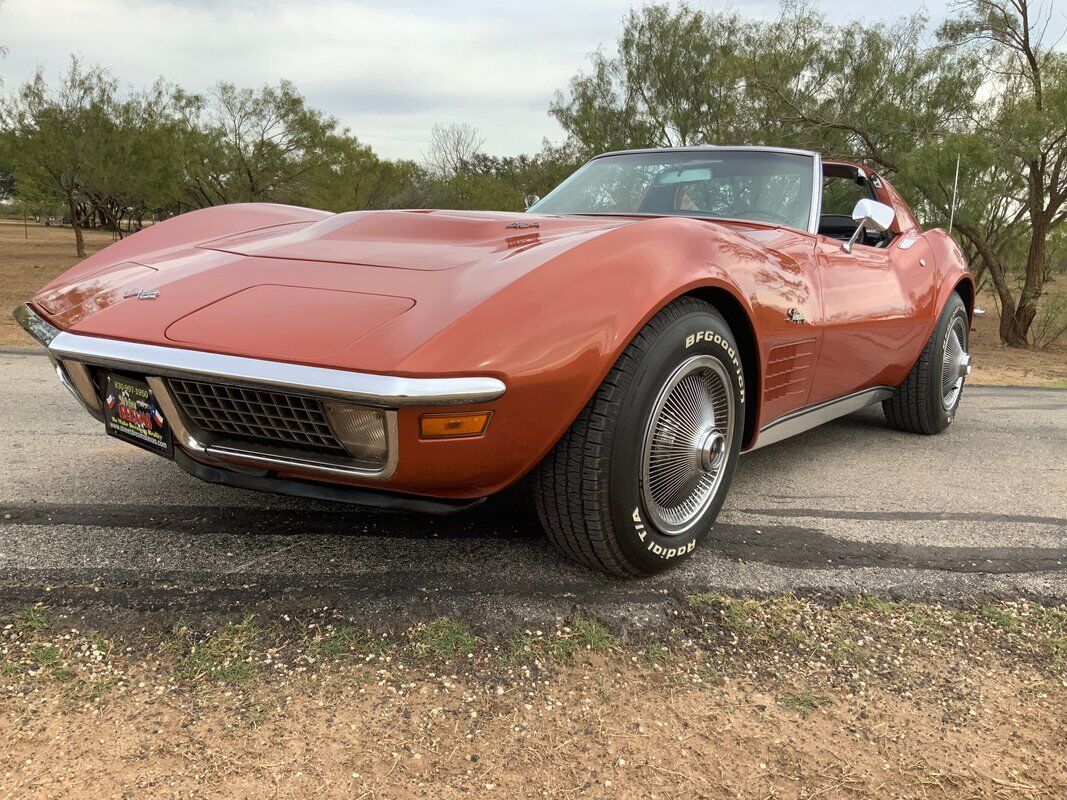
842, 188
840, 195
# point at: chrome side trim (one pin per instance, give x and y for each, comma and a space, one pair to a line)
221, 452
816, 197
34, 325
811, 417
386, 391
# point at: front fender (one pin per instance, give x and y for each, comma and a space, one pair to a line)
953, 275
554, 334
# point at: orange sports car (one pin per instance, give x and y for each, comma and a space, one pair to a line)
620, 343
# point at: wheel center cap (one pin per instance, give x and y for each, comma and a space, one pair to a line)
712, 451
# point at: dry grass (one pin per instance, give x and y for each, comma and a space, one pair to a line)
28, 263
30, 257
740, 698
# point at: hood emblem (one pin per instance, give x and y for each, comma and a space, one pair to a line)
142, 294
523, 225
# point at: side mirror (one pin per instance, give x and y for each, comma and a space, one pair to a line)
530, 200
869, 215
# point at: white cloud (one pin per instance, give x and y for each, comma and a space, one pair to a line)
388, 72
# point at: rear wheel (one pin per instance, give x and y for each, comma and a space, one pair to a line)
927, 400
635, 484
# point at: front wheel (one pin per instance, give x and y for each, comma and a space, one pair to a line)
928, 399
635, 484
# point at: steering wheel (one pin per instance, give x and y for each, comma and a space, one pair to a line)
761, 215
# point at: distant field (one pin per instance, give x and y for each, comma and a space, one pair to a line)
32, 256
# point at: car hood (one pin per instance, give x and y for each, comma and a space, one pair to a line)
357, 290
420, 240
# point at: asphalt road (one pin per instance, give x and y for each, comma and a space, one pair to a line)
978, 511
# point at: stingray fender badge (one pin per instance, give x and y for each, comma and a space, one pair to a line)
143, 294
794, 316
523, 225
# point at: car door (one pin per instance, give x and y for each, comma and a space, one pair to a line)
875, 303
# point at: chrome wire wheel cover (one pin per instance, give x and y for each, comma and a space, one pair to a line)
687, 444
956, 365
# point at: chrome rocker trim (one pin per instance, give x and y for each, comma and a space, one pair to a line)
70, 353
805, 419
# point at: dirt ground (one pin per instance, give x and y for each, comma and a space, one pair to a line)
995, 364
786, 697
32, 255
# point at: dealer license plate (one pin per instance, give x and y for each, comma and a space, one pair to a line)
132, 414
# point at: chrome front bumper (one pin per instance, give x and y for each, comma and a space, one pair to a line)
74, 354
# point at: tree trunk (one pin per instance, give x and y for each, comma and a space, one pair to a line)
997, 274
75, 223
1023, 318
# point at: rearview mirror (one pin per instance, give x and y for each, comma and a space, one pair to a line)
869, 215
675, 176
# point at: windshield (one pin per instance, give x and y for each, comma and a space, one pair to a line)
737, 184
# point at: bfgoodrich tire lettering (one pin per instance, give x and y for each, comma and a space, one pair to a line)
592, 490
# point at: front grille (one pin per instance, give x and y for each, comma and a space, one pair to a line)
274, 417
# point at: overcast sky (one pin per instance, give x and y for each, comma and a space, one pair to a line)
389, 71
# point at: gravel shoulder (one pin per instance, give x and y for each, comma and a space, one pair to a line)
784, 697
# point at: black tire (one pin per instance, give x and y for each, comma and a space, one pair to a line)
590, 492
919, 406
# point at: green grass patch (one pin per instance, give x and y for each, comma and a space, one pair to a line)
443, 638
32, 619
1055, 618
926, 625
225, 656
46, 655
704, 599
99, 644
803, 702
49, 660
335, 644
657, 656
708, 674
998, 616
872, 603
581, 634
591, 635
517, 647
739, 616
1057, 649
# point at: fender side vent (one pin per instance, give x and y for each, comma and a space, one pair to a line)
789, 368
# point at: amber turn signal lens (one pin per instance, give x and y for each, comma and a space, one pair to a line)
442, 426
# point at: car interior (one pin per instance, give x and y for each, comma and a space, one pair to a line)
774, 191
686, 190
842, 187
